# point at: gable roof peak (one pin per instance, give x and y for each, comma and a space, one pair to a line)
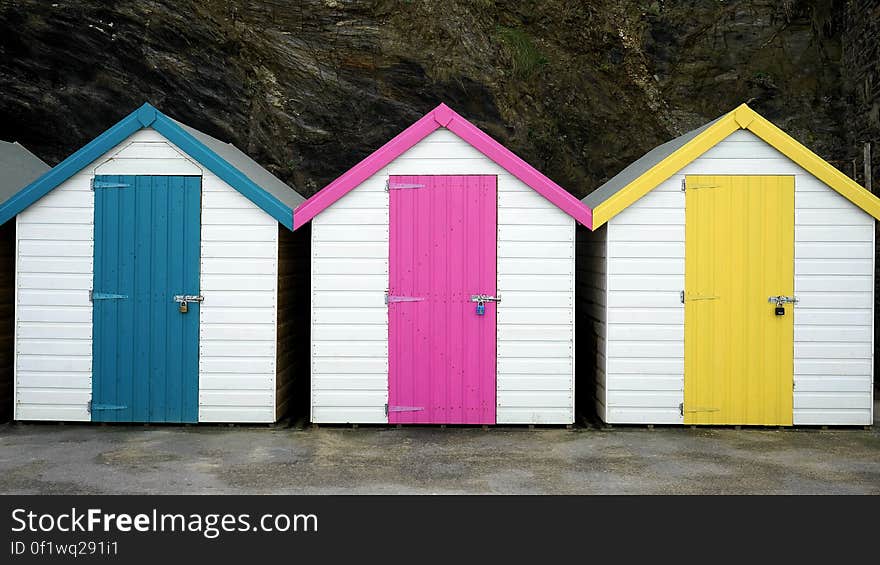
146, 114
226, 161
441, 116
744, 115
660, 163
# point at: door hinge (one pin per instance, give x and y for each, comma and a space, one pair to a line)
105, 296
92, 407
401, 186
681, 409
386, 409
682, 298
405, 408
684, 186
96, 184
693, 410
392, 299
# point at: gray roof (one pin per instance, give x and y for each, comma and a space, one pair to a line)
640, 166
18, 168
248, 167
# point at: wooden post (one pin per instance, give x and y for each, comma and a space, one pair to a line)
867, 150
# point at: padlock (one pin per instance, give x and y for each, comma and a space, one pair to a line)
184, 307
780, 310
481, 308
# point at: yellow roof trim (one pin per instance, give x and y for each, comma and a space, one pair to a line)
815, 165
664, 169
742, 117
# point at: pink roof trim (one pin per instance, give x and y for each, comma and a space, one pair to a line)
442, 116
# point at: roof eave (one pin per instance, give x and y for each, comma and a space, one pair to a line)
217, 165
70, 166
663, 170
442, 116
143, 117
743, 117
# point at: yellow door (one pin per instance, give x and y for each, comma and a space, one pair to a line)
739, 251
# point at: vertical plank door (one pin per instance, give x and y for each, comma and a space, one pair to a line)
442, 252
147, 241
739, 251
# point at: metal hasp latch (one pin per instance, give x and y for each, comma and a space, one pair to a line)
780, 302
481, 300
184, 299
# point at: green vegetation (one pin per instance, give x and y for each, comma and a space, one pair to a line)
526, 57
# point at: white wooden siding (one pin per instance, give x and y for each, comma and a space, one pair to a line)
239, 280
536, 250
53, 314
53, 328
834, 265
349, 350
833, 322
535, 371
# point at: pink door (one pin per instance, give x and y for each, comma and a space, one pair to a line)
441, 350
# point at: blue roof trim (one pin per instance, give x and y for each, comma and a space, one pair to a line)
69, 167
146, 116
217, 165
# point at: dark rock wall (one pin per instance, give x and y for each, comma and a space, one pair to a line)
310, 87
861, 70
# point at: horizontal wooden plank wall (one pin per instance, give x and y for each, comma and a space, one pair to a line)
53, 366
239, 317
834, 245
535, 280
833, 322
349, 319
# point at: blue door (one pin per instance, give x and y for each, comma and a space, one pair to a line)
145, 352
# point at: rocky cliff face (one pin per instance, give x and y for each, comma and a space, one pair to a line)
308, 88
861, 71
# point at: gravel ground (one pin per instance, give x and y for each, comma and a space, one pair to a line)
69, 459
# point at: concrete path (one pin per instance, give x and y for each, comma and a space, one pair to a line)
51, 458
